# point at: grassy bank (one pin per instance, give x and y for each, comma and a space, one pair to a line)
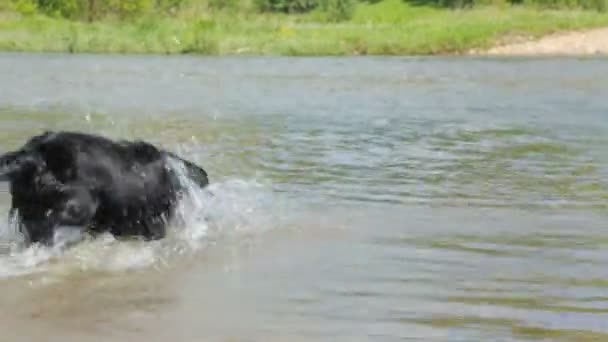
390, 27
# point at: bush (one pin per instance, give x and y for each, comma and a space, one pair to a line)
25, 7
287, 6
129, 8
95, 9
71, 9
599, 5
596, 5
331, 10
223, 4
168, 5
338, 10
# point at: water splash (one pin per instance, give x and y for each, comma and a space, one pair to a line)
222, 210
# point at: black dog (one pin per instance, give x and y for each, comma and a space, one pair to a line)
93, 183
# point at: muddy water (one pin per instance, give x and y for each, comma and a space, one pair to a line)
354, 199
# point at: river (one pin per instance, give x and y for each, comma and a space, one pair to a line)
354, 199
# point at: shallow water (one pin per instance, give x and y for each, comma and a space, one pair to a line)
354, 199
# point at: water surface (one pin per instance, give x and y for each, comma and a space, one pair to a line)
355, 199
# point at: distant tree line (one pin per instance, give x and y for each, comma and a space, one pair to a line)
335, 10
96, 9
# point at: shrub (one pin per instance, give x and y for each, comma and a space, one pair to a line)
287, 6
25, 7
338, 10
331, 10
95, 9
223, 4
71, 9
129, 8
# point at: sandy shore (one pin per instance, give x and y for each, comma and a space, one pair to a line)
590, 42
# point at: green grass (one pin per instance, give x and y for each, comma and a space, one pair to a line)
391, 27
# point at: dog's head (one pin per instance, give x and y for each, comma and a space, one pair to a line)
14, 164
24, 160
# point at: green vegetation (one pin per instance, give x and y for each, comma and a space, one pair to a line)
284, 27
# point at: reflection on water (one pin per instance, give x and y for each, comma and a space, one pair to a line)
353, 199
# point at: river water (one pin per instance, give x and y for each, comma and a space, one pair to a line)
355, 199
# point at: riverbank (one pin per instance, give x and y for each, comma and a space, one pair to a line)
391, 27
578, 43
